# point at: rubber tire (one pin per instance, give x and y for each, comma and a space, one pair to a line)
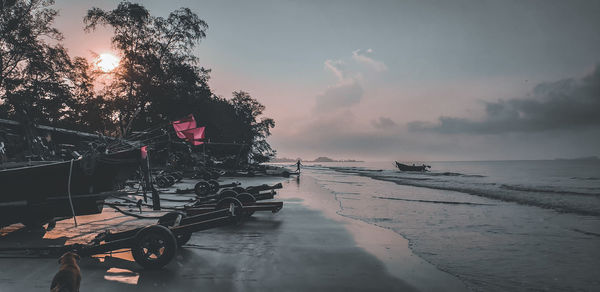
161, 182
202, 189
168, 220
239, 190
162, 233
226, 202
177, 175
183, 239
246, 198
171, 179
215, 186
227, 194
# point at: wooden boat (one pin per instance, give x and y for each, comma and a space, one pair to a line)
404, 167
35, 192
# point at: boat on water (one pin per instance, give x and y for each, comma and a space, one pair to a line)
405, 167
35, 192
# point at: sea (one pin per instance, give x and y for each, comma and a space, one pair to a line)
496, 225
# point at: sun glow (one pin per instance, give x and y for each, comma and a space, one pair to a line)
107, 62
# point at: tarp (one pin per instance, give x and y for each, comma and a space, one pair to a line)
184, 124
194, 135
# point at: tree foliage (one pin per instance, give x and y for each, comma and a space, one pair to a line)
158, 80
34, 67
158, 72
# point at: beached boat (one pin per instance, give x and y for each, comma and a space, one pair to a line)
404, 167
35, 192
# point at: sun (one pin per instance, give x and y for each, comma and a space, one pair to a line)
107, 62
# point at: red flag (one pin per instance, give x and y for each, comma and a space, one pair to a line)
195, 134
184, 124
144, 151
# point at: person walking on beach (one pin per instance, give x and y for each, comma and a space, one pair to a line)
298, 166
2, 152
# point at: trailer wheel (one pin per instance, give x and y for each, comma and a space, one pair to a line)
239, 190
227, 194
251, 189
154, 247
177, 175
215, 186
161, 182
202, 189
171, 179
230, 202
247, 199
183, 239
171, 219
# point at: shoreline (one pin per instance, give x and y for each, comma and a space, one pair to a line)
391, 248
490, 245
298, 249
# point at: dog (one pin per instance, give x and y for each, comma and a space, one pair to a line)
68, 277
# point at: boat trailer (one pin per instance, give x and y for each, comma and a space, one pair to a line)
154, 246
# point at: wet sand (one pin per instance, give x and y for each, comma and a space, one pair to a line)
297, 249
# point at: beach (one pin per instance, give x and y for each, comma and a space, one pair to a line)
303, 247
358, 228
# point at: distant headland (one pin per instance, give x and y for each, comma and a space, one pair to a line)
318, 159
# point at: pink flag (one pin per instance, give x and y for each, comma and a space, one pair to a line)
193, 135
184, 124
144, 151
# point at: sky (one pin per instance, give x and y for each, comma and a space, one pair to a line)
400, 80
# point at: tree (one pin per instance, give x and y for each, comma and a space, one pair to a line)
91, 111
158, 79
33, 70
158, 74
254, 131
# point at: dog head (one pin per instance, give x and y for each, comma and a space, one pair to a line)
69, 258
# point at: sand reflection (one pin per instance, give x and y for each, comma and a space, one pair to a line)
122, 276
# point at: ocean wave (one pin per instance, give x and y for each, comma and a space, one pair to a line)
577, 203
586, 178
412, 175
452, 174
544, 190
434, 202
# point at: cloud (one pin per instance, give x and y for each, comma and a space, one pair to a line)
346, 92
336, 67
364, 57
343, 94
384, 123
564, 104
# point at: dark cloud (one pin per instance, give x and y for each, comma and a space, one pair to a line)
565, 104
384, 123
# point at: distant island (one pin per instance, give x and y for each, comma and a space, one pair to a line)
318, 159
327, 159
587, 158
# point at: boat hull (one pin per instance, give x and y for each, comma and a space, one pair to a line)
404, 167
40, 192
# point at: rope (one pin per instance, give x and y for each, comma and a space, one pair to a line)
69, 192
